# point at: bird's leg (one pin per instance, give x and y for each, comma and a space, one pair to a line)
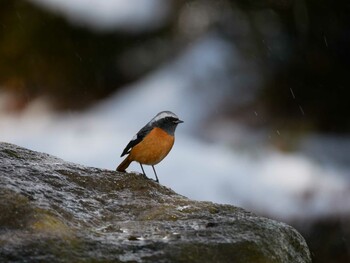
143, 171
154, 170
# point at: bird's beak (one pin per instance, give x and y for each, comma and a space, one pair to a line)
179, 121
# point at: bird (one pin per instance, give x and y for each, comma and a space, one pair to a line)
152, 143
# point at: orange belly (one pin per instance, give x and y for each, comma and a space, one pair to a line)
153, 148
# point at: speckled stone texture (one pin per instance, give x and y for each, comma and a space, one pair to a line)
55, 211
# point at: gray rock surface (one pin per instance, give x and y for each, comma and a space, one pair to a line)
55, 211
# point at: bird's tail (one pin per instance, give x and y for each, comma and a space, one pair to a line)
124, 164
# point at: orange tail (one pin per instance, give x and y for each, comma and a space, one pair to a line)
124, 164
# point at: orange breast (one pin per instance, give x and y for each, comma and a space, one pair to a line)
153, 148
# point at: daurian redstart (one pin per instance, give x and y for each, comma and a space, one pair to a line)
152, 143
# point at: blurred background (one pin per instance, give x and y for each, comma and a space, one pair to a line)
263, 88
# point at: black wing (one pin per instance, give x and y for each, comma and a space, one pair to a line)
138, 138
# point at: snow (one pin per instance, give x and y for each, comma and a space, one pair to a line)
258, 178
135, 15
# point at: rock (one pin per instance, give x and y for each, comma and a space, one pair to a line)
52, 210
